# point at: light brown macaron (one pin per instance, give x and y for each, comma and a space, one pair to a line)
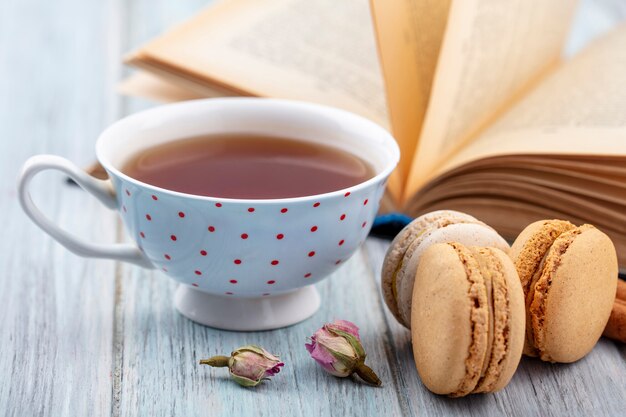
468, 319
404, 253
569, 278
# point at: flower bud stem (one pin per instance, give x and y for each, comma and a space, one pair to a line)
367, 375
216, 361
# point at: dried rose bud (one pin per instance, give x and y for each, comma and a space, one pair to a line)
337, 348
248, 365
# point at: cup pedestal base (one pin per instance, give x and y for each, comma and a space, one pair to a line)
247, 314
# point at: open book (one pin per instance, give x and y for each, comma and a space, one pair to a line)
488, 117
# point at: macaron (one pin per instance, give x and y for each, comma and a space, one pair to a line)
468, 319
569, 278
404, 253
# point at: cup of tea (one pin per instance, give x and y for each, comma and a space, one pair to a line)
245, 202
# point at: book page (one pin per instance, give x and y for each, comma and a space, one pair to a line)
146, 85
580, 109
409, 34
493, 52
321, 51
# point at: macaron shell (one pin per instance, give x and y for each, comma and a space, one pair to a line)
400, 244
469, 234
449, 321
574, 296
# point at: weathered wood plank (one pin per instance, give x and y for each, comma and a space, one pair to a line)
56, 309
595, 385
161, 351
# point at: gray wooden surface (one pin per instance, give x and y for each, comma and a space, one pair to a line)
93, 338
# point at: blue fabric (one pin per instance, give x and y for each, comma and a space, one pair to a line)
385, 219
388, 225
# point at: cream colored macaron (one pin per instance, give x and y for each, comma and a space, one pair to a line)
569, 278
403, 256
468, 319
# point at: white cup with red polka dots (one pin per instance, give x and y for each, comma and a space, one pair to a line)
242, 264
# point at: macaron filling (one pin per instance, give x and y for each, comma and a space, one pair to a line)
394, 283
529, 345
484, 261
479, 317
500, 320
535, 249
394, 275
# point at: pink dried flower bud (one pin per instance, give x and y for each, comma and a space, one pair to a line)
248, 365
337, 348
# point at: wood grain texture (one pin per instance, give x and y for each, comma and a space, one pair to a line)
97, 338
161, 351
56, 309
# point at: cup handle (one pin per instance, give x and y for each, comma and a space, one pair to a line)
101, 189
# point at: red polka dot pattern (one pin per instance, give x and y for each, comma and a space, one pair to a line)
325, 233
